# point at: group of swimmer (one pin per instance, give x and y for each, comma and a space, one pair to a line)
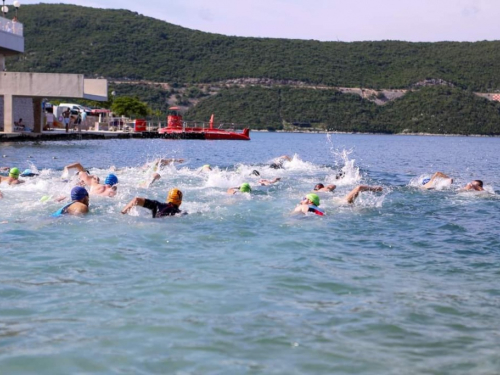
80, 196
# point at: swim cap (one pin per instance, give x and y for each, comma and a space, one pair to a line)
206, 166
425, 180
28, 173
245, 187
14, 173
111, 180
255, 173
175, 197
78, 193
313, 198
319, 186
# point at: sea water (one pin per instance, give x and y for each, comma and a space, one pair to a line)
405, 281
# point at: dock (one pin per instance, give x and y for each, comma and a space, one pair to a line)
48, 136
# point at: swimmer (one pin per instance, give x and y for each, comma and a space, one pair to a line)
13, 178
96, 188
205, 169
255, 173
264, 182
158, 163
309, 203
243, 188
147, 184
159, 209
476, 185
313, 199
79, 203
437, 178
279, 161
340, 175
322, 188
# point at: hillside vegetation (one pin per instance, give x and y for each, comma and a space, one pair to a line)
437, 110
194, 66
124, 44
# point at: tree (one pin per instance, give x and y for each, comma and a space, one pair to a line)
129, 107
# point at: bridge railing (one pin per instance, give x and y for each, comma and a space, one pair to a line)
10, 26
206, 125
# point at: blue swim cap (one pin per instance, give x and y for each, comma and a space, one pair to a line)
28, 173
425, 180
78, 193
111, 180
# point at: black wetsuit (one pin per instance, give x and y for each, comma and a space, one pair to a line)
161, 209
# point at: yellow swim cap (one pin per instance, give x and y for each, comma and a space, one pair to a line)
175, 197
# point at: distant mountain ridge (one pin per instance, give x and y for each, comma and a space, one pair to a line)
121, 44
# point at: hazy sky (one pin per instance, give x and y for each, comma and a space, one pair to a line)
326, 20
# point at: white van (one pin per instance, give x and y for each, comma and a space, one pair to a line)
74, 108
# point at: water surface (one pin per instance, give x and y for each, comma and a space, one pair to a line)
404, 281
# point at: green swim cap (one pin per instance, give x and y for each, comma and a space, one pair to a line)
245, 187
313, 198
14, 172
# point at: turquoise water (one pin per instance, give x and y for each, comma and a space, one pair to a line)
402, 282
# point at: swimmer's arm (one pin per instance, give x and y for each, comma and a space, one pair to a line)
156, 177
233, 190
137, 201
301, 208
75, 165
1, 195
351, 197
4, 169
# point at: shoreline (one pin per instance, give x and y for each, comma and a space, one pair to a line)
49, 136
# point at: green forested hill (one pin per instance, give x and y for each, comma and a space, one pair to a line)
122, 44
437, 110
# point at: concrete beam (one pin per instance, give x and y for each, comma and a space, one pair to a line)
8, 110
95, 89
37, 115
53, 85
41, 84
11, 44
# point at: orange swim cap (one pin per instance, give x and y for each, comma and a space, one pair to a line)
175, 196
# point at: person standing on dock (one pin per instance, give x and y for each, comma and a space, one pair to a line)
66, 116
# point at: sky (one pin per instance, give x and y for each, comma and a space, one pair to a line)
324, 20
